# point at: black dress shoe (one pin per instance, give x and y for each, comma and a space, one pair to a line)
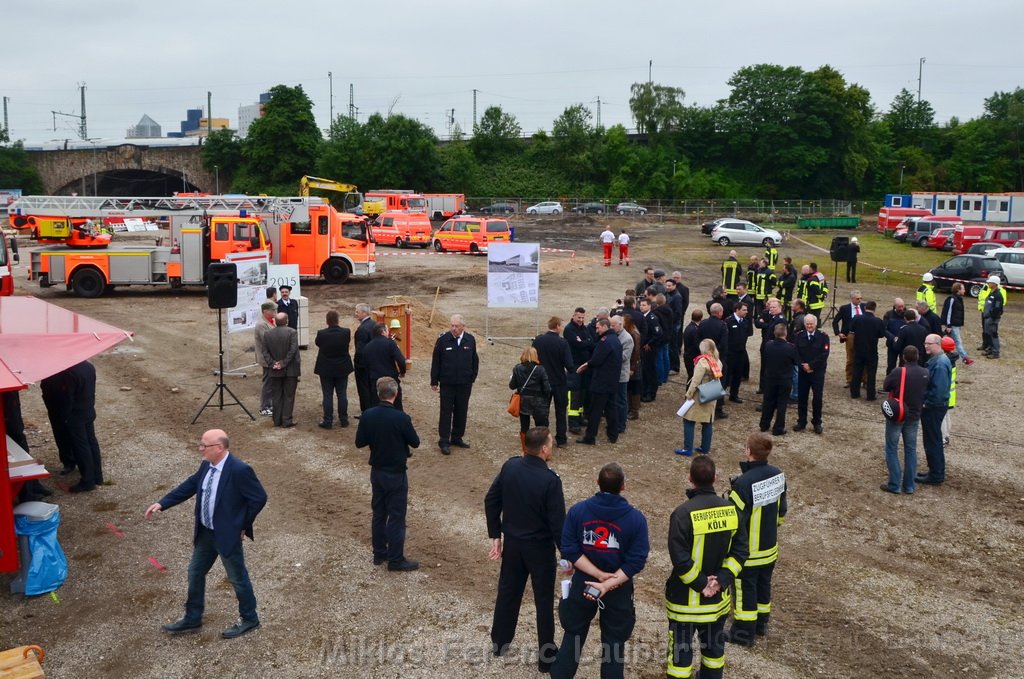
575, 432
587, 442
800, 427
818, 429
180, 626
324, 425
66, 471
930, 482
289, 425
736, 399
613, 440
403, 565
240, 628
445, 450
343, 424
721, 416
921, 476
378, 560
779, 433
82, 488
460, 444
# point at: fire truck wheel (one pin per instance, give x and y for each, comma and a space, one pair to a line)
88, 283
474, 248
335, 271
399, 243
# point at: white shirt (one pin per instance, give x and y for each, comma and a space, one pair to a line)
217, 469
458, 341
607, 236
623, 238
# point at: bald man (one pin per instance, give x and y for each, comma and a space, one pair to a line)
228, 499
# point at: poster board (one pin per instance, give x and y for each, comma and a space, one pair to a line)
284, 274
513, 275
252, 269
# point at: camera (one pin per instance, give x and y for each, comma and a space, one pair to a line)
592, 592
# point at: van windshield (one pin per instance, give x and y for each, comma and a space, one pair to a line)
417, 204
497, 226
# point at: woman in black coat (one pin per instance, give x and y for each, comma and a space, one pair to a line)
531, 381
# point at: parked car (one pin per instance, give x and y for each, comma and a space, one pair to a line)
630, 209
547, 207
590, 208
1012, 261
470, 234
743, 232
971, 270
919, 229
500, 208
707, 227
900, 234
1019, 244
983, 248
942, 239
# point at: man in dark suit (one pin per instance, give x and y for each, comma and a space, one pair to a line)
766, 321
714, 328
780, 358
81, 426
362, 336
581, 345
389, 434
605, 365
928, 318
812, 346
691, 342
841, 325
333, 365
228, 499
868, 329
453, 369
289, 307
912, 334
281, 352
740, 329
383, 358
553, 352
652, 342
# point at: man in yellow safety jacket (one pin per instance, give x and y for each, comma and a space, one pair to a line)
730, 274
707, 544
926, 293
986, 339
771, 254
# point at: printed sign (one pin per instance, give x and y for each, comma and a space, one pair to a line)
513, 275
251, 268
769, 490
714, 520
284, 274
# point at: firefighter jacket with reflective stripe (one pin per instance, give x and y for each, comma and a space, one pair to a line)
772, 255
801, 287
764, 283
705, 537
817, 291
759, 494
730, 275
952, 380
926, 293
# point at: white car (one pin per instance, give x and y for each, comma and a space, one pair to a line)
1012, 260
548, 207
742, 232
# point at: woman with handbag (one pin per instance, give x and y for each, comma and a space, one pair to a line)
707, 369
530, 382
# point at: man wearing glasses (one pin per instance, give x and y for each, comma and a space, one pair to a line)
228, 498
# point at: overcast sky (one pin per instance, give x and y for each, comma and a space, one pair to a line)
532, 58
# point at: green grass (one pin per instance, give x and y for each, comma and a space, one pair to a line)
881, 260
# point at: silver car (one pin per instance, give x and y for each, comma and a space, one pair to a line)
742, 232
548, 207
630, 209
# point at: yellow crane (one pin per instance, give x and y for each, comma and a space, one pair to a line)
352, 200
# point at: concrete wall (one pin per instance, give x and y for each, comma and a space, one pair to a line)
62, 171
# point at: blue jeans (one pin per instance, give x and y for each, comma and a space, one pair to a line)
794, 394
662, 364
203, 555
706, 429
622, 404
893, 432
331, 386
954, 332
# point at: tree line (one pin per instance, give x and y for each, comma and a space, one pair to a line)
783, 132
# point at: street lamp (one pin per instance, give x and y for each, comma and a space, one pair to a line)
901, 177
216, 169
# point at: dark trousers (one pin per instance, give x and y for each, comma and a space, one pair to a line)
808, 383
86, 449
204, 553
603, 405
776, 398
330, 386
560, 399
688, 360
283, 398
540, 416
617, 620
389, 502
521, 560
711, 636
451, 425
649, 373
62, 438
753, 604
374, 400
266, 391
864, 369
851, 272
892, 359
734, 375
934, 451
675, 347
363, 389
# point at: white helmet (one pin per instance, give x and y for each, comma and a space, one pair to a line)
927, 278
853, 240
994, 279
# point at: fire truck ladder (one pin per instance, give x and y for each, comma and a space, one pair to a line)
279, 208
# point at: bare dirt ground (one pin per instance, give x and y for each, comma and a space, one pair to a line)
868, 584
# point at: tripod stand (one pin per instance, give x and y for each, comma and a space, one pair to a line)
221, 387
832, 293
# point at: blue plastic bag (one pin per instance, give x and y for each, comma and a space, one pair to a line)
49, 567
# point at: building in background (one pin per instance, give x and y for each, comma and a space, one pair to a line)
195, 125
147, 128
249, 113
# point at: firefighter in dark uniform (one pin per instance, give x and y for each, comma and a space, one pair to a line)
759, 494
714, 328
780, 359
383, 358
817, 292
740, 329
453, 369
764, 283
771, 255
812, 346
786, 286
581, 346
554, 354
525, 504
730, 274
708, 545
765, 322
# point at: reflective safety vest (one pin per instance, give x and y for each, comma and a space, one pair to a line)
730, 275
801, 289
952, 387
751, 279
926, 293
817, 291
983, 295
772, 255
764, 283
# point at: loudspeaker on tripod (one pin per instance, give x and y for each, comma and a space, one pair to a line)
222, 285
839, 251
